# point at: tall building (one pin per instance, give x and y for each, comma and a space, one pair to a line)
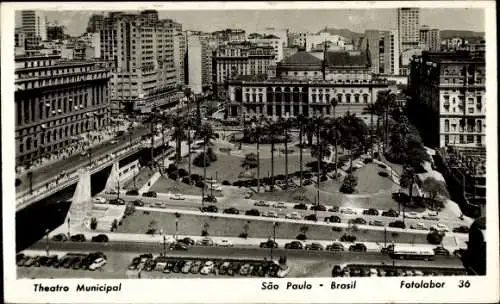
55, 31
297, 40
142, 49
34, 26
449, 90
195, 58
305, 84
430, 39
239, 58
180, 57
56, 101
384, 51
273, 41
95, 24
408, 28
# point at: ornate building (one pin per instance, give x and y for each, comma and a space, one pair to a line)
449, 88
57, 100
305, 84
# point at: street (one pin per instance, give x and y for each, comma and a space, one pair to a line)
243, 252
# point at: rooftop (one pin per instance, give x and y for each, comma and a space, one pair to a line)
302, 57
346, 59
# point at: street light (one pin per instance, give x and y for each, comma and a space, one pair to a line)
47, 238
275, 224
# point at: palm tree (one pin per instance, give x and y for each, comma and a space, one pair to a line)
353, 130
188, 94
301, 122
255, 133
272, 130
285, 125
385, 101
372, 110
407, 180
177, 217
206, 133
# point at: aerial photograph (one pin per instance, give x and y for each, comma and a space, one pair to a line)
172, 144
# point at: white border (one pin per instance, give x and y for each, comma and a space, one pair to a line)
483, 289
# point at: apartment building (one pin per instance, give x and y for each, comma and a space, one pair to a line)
141, 47
430, 39
408, 28
34, 26
384, 51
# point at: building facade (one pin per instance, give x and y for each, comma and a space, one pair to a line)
95, 24
56, 101
34, 26
408, 28
239, 58
306, 85
142, 49
55, 31
430, 39
449, 88
229, 35
297, 39
273, 41
180, 57
384, 51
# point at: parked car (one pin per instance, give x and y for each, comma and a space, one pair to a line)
370, 211
135, 262
307, 182
61, 237
293, 216
179, 265
311, 217
270, 214
358, 220
100, 238
186, 267
318, 208
196, 267
224, 267
279, 205
51, 260
179, 246
388, 249
99, 200
253, 212
206, 242
294, 245
333, 219
138, 203
177, 197
231, 210
430, 218
78, 263
132, 192
300, 206
390, 213
207, 268
442, 227
149, 194
397, 224
412, 215
210, 208
418, 226
269, 244
461, 229
348, 211
261, 204
377, 223
78, 238
116, 201
441, 251
210, 199
315, 246
359, 247
335, 247
188, 241
225, 243
334, 209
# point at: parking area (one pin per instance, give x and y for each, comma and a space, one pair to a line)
367, 270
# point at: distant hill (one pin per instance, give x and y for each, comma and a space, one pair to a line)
342, 32
445, 34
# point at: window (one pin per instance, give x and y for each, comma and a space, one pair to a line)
470, 101
470, 139
479, 126
339, 98
471, 110
313, 97
356, 98
348, 98
446, 125
461, 139
446, 139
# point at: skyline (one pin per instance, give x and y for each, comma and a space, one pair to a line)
356, 20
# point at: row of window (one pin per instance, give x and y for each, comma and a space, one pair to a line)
477, 127
461, 139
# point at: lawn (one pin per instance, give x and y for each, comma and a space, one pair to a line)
166, 185
229, 167
231, 227
141, 179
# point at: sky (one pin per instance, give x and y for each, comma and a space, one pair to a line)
356, 20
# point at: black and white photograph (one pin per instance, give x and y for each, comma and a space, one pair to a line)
270, 143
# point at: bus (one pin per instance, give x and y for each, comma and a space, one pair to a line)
411, 252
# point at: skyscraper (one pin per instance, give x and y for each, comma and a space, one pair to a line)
384, 51
430, 39
408, 28
34, 26
142, 49
95, 24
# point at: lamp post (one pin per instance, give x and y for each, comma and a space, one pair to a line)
275, 224
47, 240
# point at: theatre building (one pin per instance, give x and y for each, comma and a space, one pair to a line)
306, 83
55, 101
